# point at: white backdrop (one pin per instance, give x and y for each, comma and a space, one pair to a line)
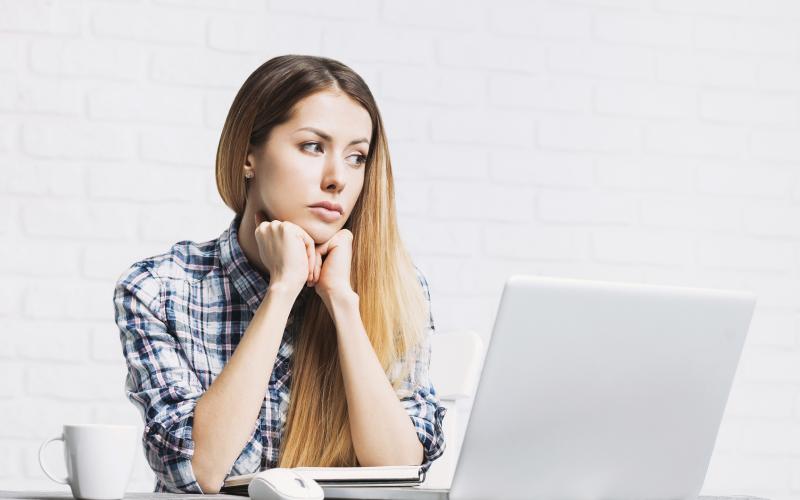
634, 140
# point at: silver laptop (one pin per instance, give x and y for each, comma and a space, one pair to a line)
595, 390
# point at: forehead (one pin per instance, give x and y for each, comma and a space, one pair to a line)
335, 113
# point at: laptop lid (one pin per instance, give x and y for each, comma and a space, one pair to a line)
593, 390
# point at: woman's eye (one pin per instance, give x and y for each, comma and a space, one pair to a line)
310, 144
361, 159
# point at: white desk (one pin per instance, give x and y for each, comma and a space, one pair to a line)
48, 495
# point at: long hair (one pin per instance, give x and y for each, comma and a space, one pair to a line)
392, 305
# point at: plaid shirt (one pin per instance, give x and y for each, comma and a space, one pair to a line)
181, 315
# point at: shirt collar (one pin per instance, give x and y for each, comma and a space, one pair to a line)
248, 280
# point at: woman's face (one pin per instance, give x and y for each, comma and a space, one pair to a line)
318, 155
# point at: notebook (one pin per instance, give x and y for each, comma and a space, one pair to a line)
386, 475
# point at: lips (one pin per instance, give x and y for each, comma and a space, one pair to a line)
329, 205
325, 214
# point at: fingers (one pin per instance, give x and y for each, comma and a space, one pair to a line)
310, 245
315, 252
317, 265
310, 257
310, 252
311, 261
335, 240
323, 247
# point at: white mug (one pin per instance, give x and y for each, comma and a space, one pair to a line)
99, 459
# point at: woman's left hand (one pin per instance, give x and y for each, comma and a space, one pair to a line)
334, 272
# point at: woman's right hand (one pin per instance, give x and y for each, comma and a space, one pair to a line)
288, 253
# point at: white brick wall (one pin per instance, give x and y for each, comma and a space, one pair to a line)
635, 140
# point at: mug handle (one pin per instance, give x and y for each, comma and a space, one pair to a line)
41, 460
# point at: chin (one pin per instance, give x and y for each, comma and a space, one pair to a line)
320, 232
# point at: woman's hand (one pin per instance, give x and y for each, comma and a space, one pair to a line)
334, 274
287, 251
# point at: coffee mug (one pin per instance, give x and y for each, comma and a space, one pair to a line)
99, 459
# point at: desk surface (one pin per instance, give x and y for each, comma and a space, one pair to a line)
37, 495
47, 495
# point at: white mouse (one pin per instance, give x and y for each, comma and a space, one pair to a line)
283, 484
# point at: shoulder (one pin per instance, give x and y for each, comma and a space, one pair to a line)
185, 260
426, 291
423, 282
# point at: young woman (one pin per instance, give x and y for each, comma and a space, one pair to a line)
299, 336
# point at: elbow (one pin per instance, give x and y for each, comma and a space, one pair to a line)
420, 454
208, 482
207, 487
208, 490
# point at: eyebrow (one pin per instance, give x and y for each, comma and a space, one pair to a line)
328, 138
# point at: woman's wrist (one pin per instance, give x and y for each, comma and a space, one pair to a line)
342, 295
340, 299
281, 291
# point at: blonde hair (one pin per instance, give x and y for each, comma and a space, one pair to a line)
392, 304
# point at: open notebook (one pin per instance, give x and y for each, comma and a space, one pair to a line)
387, 475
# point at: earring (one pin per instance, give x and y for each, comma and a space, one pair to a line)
248, 175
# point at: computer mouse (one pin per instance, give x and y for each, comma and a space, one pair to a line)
283, 484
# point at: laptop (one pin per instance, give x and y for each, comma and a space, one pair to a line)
595, 390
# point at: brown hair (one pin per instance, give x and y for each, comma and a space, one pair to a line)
392, 304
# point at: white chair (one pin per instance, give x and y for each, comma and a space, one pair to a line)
456, 361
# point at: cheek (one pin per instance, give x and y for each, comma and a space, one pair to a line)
279, 200
356, 194
284, 186
284, 165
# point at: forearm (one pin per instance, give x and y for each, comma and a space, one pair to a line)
225, 416
382, 431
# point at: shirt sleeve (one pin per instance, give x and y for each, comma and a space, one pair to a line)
160, 381
419, 397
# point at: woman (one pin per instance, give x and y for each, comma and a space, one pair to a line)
218, 334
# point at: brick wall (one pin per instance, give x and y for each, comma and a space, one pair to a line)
648, 140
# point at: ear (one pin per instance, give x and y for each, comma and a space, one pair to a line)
250, 156
248, 161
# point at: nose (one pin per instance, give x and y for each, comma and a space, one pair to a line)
333, 175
